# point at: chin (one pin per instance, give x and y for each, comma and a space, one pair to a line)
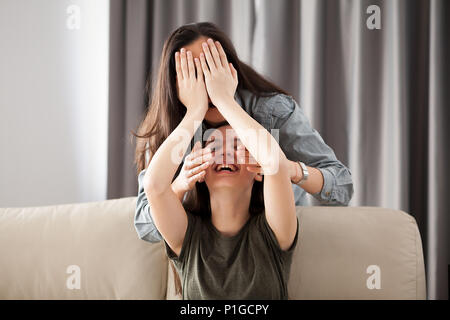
214, 115
228, 182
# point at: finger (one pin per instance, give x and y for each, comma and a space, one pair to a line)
214, 53
178, 66
223, 56
209, 58
199, 168
190, 65
199, 69
197, 145
204, 155
200, 155
197, 177
189, 158
245, 155
184, 68
199, 152
204, 65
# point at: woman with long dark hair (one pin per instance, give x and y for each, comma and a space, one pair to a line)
313, 166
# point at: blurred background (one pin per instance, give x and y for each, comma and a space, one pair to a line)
372, 76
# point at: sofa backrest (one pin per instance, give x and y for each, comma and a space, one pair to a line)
44, 251
341, 253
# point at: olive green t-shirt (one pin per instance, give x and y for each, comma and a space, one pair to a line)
249, 265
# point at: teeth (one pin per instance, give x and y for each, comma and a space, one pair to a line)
221, 166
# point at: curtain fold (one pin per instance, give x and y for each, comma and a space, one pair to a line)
379, 97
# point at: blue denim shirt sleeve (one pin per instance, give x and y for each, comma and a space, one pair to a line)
143, 221
301, 142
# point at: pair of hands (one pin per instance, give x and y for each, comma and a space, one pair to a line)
211, 75
196, 163
215, 77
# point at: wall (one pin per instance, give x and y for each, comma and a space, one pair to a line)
53, 101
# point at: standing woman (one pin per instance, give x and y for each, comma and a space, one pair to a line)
313, 166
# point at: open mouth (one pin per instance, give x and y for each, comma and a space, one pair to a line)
226, 168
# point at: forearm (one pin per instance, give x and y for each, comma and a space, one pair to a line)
168, 157
258, 141
279, 203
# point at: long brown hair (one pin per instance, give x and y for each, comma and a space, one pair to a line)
165, 111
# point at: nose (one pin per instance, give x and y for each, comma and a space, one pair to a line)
227, 157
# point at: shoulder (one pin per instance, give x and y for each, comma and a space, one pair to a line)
190, 239
278, 104
263, 226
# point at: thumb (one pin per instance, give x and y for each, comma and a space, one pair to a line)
233, 71
197, 146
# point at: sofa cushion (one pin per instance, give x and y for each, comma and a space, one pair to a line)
96, 240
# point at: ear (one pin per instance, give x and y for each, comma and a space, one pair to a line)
258, 177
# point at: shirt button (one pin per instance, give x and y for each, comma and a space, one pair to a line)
327, 193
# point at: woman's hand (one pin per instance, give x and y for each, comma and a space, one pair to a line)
220, 76
244, 157
194, 168
191, 88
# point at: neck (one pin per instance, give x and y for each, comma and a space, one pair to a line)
229, 209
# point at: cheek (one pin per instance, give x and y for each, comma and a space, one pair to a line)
247, 175
208, 173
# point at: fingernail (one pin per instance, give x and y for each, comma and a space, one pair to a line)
205, 44
182, 50
210, 40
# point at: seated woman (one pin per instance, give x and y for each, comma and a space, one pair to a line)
234, 236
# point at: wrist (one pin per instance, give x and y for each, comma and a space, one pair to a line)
176, 187
197, 110
296, 172
224, 102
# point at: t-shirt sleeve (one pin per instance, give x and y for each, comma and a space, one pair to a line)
180, 260
285, 255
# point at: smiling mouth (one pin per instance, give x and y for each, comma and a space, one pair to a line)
226, 168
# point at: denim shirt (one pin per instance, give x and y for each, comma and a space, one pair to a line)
298, 140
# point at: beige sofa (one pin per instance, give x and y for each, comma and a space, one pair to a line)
92, 251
